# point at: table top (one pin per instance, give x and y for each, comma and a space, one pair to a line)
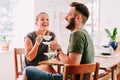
108, 62
105, 62
51, 62
9, 51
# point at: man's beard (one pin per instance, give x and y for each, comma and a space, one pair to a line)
71, 25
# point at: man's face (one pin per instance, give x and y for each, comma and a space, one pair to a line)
70, 18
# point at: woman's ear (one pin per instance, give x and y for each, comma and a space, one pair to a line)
36, 23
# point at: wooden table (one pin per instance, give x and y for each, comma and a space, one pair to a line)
53, 62
108, 63
105, 62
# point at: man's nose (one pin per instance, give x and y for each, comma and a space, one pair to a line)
66, 18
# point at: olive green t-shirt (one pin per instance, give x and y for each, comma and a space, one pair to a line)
81, 43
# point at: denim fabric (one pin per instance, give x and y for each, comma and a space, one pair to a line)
33, 73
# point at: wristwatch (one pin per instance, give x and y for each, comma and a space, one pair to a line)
57, 55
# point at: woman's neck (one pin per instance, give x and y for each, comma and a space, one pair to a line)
38, 32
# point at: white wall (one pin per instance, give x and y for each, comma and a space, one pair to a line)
23, 20
109, 16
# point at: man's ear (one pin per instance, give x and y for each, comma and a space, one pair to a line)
78, 17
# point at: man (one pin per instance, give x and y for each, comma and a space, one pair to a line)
80, 48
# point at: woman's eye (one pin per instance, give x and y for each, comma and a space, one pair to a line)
47, 19
42, 19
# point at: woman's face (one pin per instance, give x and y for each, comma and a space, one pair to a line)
42, 21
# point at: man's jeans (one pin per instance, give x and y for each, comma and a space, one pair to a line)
33, 73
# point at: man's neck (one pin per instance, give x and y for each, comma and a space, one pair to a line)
77, 28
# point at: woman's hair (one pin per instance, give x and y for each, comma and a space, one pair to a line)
82, 9
37, 17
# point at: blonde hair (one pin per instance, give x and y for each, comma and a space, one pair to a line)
37, 17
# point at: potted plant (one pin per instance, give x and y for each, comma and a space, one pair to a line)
112, 35
5, 43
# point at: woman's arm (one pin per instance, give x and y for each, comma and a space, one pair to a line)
30, 49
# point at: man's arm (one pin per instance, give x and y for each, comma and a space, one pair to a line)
72, 58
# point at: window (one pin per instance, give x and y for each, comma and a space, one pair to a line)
16, 19
6, 15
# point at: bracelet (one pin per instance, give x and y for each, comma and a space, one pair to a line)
59, 49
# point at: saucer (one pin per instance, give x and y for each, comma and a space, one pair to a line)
50, 54
106, 55
46, 43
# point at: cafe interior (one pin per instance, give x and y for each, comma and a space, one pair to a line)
17, 18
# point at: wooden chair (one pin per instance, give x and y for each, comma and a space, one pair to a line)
118, 76
104, 73
18, 53
81, 69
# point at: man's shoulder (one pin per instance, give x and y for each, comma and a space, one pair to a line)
78, 33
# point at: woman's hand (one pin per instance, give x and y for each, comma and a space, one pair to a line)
39, 39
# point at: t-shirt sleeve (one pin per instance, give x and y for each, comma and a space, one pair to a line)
77, 41
29, 35
53, 36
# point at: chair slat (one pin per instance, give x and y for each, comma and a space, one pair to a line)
18, 52
81, 69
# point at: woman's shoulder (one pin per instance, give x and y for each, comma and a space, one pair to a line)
31, 34
52, 33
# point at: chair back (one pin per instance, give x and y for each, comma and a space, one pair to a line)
18, 55
81, 69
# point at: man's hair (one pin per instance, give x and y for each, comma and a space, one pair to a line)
81, 8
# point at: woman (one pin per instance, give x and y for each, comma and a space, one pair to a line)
34, 47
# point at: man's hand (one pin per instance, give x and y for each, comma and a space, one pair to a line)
54, 46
